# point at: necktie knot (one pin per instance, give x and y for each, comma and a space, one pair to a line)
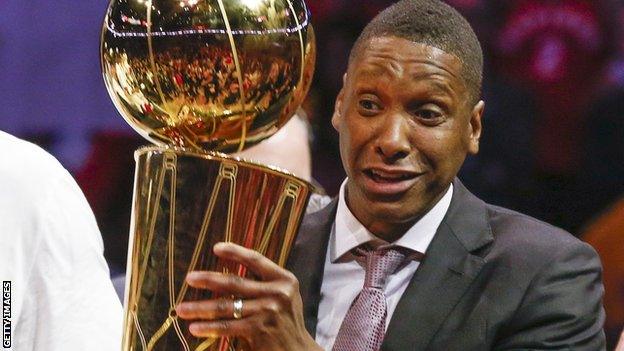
380, 263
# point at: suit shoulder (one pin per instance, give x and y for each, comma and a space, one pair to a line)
532, 239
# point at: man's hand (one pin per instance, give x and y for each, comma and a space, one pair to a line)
272, 315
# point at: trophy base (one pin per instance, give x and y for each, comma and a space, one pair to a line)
184, 203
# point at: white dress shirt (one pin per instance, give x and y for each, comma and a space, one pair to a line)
343, 279
61, 296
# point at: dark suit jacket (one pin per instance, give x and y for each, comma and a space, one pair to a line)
492, 279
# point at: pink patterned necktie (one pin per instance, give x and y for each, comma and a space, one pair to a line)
364, 326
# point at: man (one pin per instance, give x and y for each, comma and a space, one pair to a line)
406, 258
55, 281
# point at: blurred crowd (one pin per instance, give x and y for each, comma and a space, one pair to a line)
553, 143
203, 76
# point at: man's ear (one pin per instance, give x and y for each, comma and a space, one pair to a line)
338, 105
476, 127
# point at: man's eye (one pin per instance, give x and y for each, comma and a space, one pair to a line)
428, 114
369, 105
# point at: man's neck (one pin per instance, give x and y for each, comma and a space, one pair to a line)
382, 228
389, 232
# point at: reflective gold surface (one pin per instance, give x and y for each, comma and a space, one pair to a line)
185, 203
207, 74
190, 76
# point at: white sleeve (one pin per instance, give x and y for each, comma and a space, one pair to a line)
69, 302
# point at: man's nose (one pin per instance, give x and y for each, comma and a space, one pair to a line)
393, 142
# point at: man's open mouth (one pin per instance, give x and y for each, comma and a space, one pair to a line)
389, 176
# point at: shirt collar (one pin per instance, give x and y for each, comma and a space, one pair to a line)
349, 233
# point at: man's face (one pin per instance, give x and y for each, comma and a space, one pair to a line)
406, 124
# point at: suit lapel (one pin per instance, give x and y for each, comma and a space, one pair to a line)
447, 270
307, 260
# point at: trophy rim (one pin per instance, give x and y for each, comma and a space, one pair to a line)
220, 156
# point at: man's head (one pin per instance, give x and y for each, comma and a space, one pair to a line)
433, 23
408, 113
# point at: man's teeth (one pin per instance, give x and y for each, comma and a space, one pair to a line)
384, 176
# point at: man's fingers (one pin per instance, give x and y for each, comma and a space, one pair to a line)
207, 309
260, 265
232, 327
229, 284
223, 309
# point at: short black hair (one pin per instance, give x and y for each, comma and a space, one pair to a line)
433, 23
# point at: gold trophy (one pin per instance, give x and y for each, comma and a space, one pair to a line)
197, 78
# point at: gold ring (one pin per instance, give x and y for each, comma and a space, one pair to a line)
238, 309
